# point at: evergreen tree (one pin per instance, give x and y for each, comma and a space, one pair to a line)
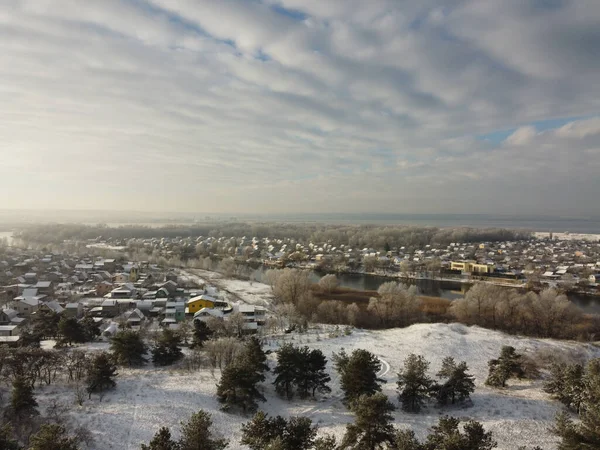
29, 338
237, 387
299, 434
91, 329
373, 425
45, 323
414, 385
358, 374
6, 440
201, 334
264, 432
446, 435
23, 405
406, 440
286, 372
327, 442
70, 330
128, 347
254, 356
584, 434
162, 441
459, 384
508, 365
196, 434
316, 376
52, 437
167, 349
566, 384
100, 374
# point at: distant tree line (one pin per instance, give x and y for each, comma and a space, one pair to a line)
356, 236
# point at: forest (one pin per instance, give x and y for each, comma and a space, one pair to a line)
358, 236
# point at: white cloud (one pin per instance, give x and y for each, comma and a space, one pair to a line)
236, 105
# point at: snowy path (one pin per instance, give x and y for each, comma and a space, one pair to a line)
385, 368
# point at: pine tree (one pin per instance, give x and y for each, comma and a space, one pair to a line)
91, 329
167, 349
52, 437
459, 384
6, 440
316, 375
259, 432
508, 365
237, 387
446, 435
264, 432
129, 348
414, 385
584, 434
299, 434
196, 434
23, 405
406, 440
45, 323
100, 374
29, 338
373, 425
254, 356
566, 384
358, 374
162, 441
286, 371
327, 442
201, 334
70, 330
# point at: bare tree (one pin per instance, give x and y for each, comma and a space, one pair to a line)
291, 285
328, 283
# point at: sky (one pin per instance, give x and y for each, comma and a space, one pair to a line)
287, 106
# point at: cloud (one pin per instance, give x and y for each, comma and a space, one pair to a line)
289, 105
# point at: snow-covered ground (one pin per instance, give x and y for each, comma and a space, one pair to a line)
568, 236
244, 291
148, 398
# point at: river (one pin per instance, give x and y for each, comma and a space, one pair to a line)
431, 288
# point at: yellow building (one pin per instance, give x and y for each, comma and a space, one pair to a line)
471, 266
195, 304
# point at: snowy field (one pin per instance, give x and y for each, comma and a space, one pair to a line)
568, 236
244, 291
148, 398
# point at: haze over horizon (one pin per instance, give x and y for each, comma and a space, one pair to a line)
311, 106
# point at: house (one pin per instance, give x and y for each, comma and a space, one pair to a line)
174, 313
9, 330
103, 288
73, 310
134, 317
9, 316
51, 306
110, 308
45, 287
254, 316
121, 278
26, 306
471, 267
195, 304
126, 290
205, 313
30, 278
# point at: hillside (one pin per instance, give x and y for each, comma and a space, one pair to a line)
148, 398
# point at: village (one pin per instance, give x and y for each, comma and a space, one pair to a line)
115, 294
570, 262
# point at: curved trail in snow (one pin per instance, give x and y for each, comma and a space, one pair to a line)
384, 369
